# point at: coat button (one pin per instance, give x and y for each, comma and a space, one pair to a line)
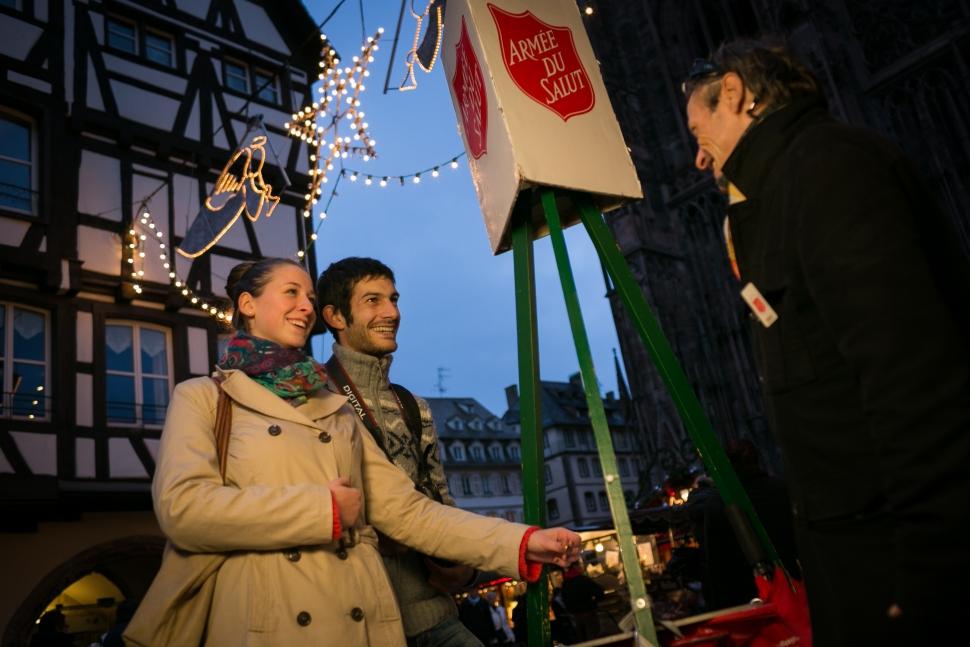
342, 553
357, 614
274, 430
324, 437
303, 618
293, 555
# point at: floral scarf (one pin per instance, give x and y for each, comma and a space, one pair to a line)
288, 372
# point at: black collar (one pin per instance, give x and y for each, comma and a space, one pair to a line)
758, 149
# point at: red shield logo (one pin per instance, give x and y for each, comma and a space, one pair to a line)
469, 87
542, 61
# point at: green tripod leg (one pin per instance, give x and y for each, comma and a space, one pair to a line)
533, 484
597, 415
691, 413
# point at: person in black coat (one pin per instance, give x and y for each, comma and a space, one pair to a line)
859, 302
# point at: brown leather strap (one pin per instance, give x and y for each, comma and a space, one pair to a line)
223, 427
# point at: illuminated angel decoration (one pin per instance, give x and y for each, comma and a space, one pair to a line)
424, 51
239, 189
319, 123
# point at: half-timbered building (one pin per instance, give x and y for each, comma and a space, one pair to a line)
116, 119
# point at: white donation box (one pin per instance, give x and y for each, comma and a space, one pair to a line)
532, 108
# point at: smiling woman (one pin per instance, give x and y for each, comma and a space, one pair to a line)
288, 515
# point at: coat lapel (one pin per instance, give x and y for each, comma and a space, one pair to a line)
250, 393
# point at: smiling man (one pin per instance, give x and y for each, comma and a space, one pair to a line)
859, 311
358, 302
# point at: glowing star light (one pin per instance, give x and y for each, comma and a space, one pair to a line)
319, 124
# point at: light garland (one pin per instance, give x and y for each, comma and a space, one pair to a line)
410, 81
139, 233
340, 90
371, 180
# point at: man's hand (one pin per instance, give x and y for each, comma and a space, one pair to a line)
448, 579
348, 501
558, 546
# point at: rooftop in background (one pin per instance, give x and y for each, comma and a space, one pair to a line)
564, 404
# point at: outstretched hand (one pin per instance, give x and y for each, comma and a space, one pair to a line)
348, 501
559, 546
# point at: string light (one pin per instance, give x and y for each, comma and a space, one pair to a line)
381, 181
135, 249
318, 124
410, 80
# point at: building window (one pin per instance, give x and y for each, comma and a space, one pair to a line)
23, 362
570, 438
624, 467
604, 502
455, 424
487, 484
621, 440
506, 484
159, 49
235, 76
478, 454
476, 424
585, 440
16, 165
596, 469
496, 452
266, 87
476, 480
548, 474
590, 502
121, 36
466, 485
583, 467
458, 452
514, 452
552, 509
138, 379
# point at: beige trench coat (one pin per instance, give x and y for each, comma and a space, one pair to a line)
287, 581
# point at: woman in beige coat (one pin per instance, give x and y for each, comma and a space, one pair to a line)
305, 488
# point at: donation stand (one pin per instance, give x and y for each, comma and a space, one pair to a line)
545, 153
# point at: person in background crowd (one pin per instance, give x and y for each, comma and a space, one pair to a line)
860, 309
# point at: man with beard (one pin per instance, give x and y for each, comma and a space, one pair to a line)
358, 301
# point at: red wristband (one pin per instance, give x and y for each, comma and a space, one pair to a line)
528, 570
336, 518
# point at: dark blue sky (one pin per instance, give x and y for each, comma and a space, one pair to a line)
457, 299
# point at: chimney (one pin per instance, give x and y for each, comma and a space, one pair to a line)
512, 395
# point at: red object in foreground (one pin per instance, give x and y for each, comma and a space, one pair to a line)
782, 621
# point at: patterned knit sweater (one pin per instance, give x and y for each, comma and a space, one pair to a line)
422, 607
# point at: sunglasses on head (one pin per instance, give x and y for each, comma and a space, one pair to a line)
701, 68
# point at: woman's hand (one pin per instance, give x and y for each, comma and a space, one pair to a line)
348, 501
558, 546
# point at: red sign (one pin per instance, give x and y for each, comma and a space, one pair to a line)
543, 62
469, 87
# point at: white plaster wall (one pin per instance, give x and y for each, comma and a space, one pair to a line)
18, 37
186, 198
99, 250
84, 407
99, 185
198, 351
152, 445
144, 73
12, 231
5, 466
259, 27
122, 460
85, 327
94, 99
145, 107
84, 463
38, 450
